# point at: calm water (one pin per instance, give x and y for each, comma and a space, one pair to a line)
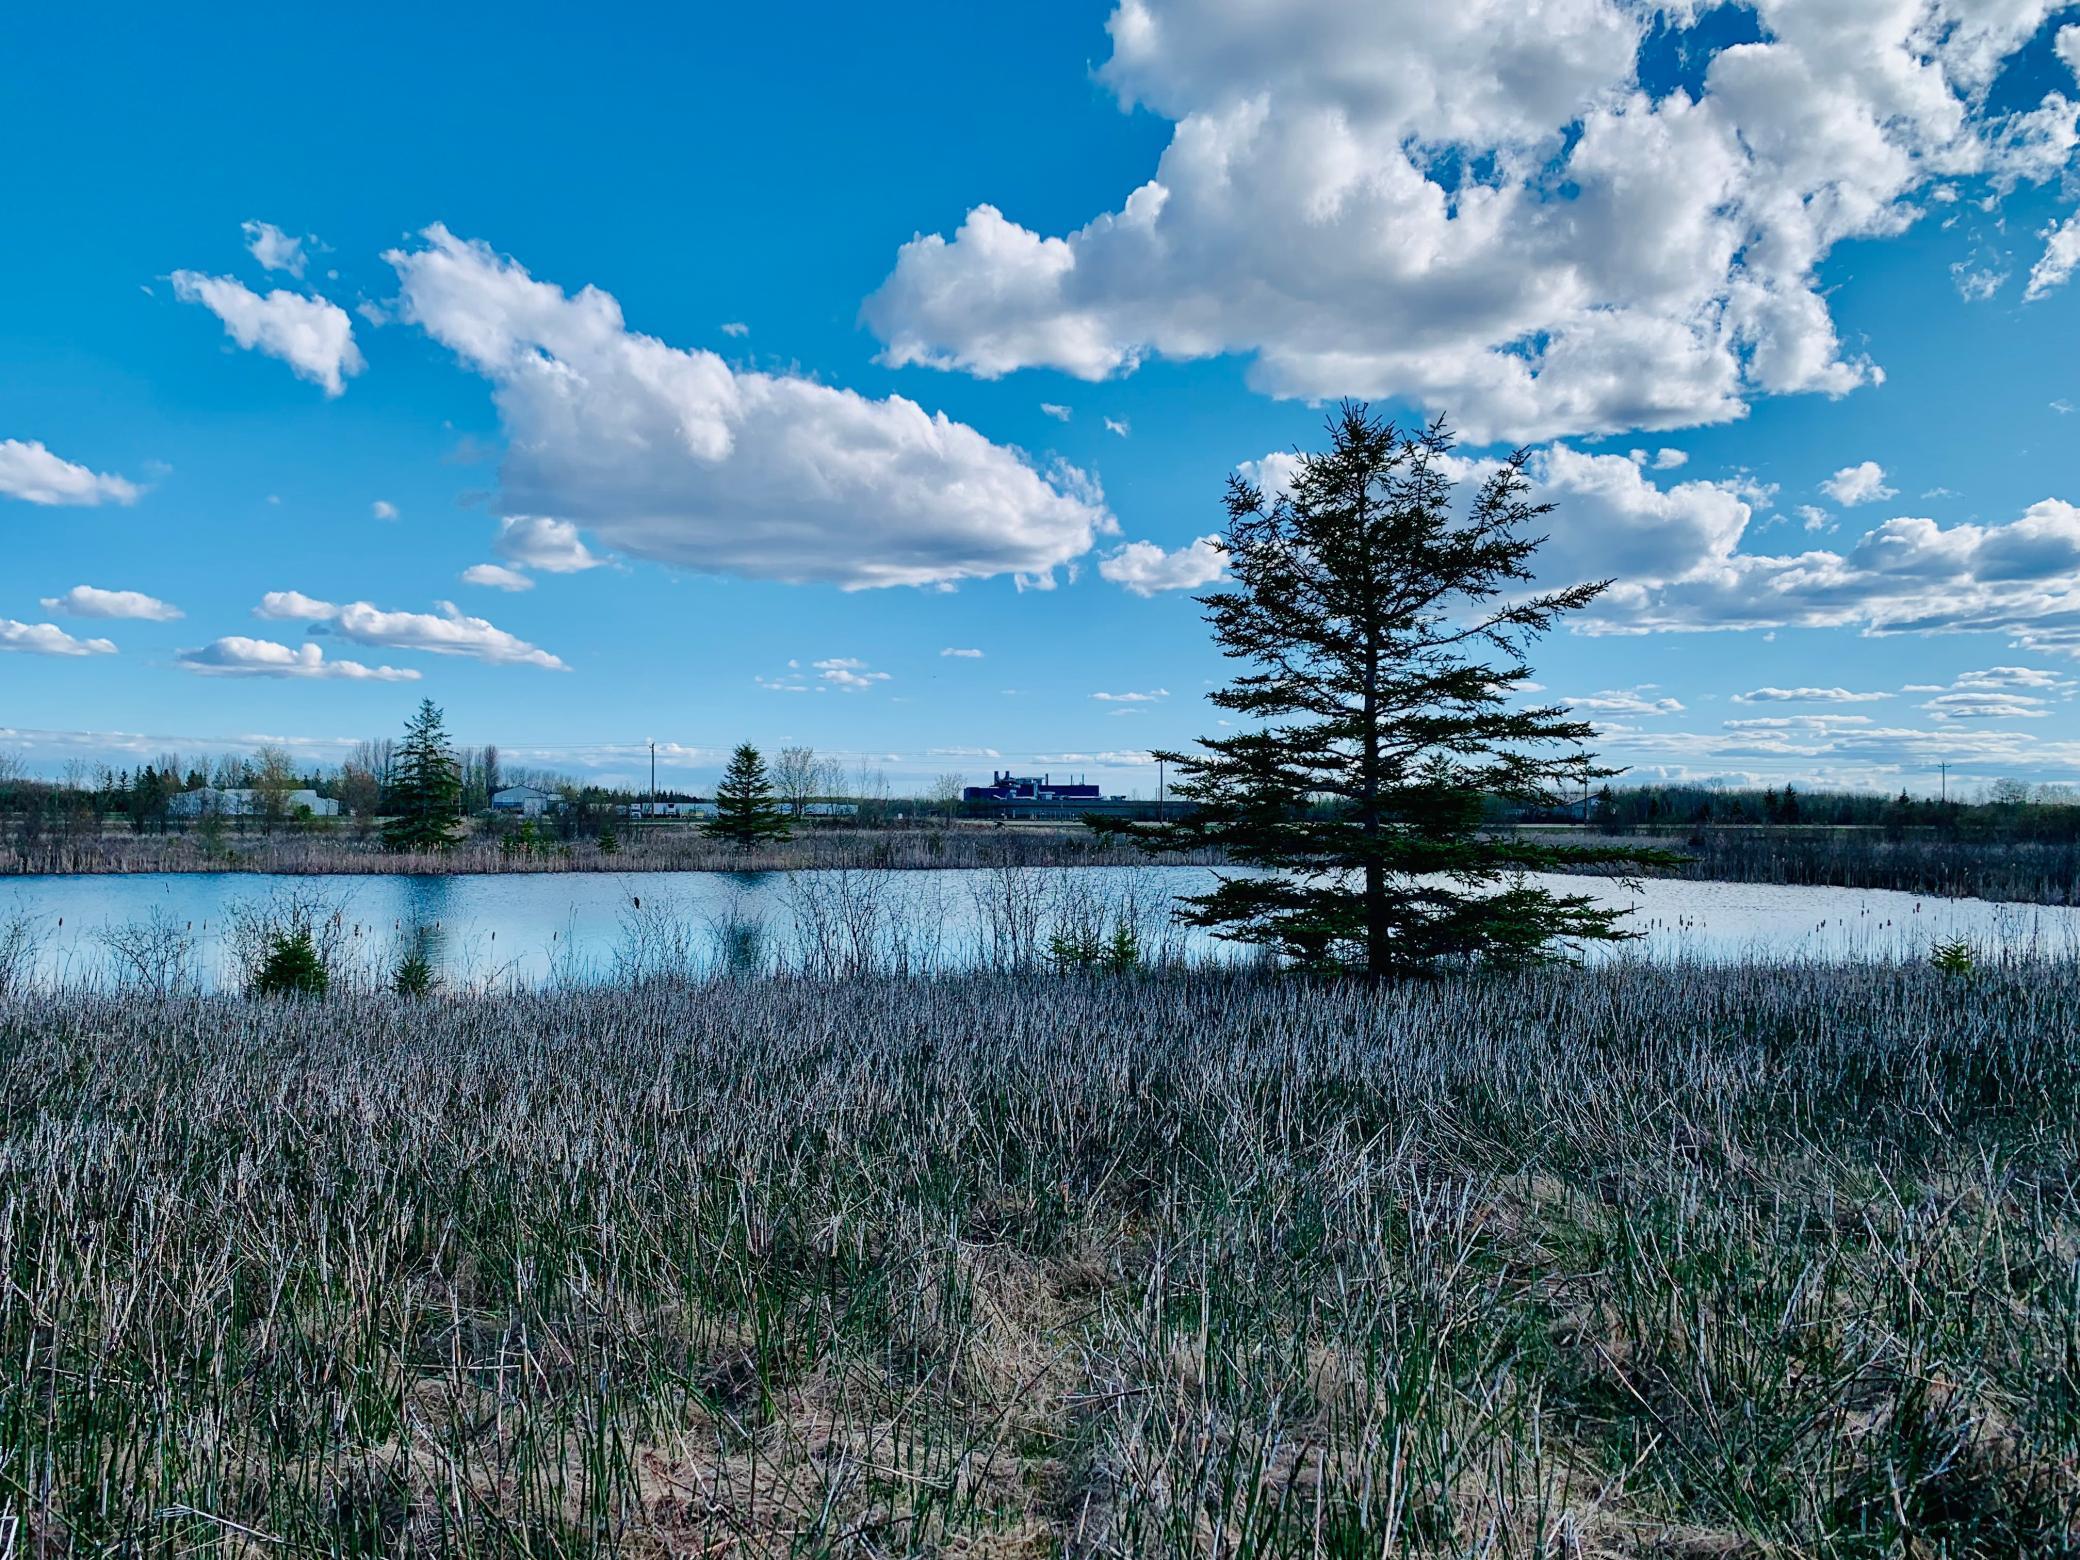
531, 928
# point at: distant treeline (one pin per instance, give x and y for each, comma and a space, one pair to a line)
2008, 810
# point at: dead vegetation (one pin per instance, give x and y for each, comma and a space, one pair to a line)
1738, 1262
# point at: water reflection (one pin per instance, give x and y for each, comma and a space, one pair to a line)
571, 928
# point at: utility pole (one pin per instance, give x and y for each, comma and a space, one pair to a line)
1159, 790
653, 776
1944, 766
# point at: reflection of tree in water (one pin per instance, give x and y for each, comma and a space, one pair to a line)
424, 935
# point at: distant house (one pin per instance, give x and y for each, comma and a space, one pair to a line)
529, 801
211, 801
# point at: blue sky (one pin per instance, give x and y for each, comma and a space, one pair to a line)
266, 277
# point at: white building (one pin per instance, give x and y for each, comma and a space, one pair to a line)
529, 801
245, 802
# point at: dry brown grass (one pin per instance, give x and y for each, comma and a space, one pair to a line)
1751, 1262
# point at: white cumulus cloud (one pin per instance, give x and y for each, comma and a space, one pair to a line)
48, 639
1678, 559
314, 337
1482, 206
534, 542
447, 630
30, 472
1144, 568
237, 656
89, 601
497, 576
283, 605
849, 673
1862, 483
672, 455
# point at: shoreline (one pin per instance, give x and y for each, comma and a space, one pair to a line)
2007, 871
679, 850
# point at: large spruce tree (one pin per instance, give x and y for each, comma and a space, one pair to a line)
1385, 628
745, 808
425, 787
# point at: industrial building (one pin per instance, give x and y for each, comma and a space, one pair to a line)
1007, 787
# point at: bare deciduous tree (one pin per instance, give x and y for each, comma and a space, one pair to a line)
795, 776
945, 794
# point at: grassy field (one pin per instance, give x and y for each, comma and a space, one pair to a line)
1761, 1261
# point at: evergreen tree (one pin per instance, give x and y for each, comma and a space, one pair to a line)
426, 789
745, 808
1386, 641
293, 967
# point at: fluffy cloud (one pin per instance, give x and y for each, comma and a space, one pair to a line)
314, 337
284, 605
447, 630
1907, 575
1675, 555
274, 249
552, 546
1862, 483
497, 576
237, 656
1144, 568
1806, 696
89, 602
48, 639
1495, 207
33, 474
672, 455
849, 674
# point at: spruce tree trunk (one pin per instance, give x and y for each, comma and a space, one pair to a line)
1375, 871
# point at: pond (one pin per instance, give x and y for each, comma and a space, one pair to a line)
518, 928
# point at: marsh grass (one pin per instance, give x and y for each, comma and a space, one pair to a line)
1739, 1261
2020, 871
649, 848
